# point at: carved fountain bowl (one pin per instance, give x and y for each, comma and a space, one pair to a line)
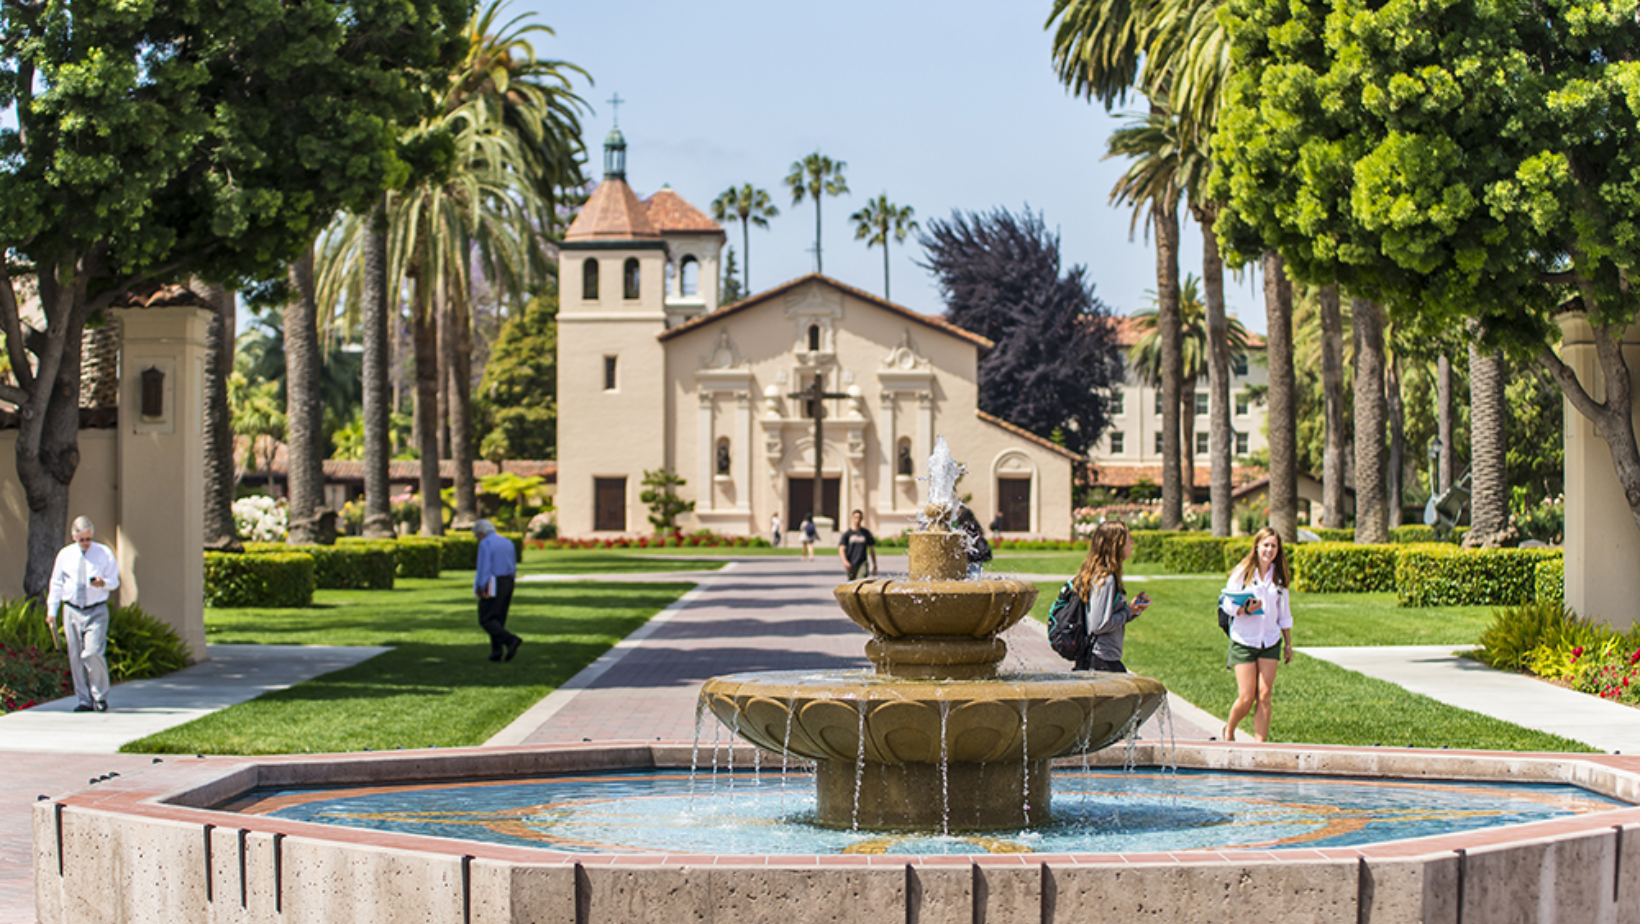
962, 609
1016, 717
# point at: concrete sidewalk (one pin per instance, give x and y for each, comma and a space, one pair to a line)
1436, 672
231, 674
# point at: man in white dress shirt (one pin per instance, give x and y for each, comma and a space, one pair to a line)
81, 579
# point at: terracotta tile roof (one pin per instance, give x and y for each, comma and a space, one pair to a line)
669, 211
1110, 475
929, 320
172, 296
612, 212
1025, 434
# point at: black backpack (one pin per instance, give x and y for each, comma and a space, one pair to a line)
1068, 624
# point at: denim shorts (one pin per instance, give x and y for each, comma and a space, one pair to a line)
1246, 654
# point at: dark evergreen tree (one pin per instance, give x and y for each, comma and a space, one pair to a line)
518, 397
1055, 356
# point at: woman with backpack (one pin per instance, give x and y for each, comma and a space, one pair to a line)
1099, 583
1261, 630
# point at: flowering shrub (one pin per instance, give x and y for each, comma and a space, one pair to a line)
260, 518
30, 675
1544, 521
543, 525
677, 539
1609, 672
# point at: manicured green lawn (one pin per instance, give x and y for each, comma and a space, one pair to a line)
619, 561
436, 688
1179, 643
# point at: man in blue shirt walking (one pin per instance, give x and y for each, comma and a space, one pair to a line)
493, 583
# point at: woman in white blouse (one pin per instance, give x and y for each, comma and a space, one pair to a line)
1261, 636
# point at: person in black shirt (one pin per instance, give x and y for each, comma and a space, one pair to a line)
855, 546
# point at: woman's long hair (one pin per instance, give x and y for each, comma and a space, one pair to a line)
1248, 568
1106, 549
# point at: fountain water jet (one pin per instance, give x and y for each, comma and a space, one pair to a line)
937, 739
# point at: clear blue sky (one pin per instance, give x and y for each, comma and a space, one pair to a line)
943, 106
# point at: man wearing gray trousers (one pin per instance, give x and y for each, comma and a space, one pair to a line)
81, 579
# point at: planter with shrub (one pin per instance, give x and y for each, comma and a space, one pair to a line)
270, 579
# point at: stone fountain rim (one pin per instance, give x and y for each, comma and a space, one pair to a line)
189, 791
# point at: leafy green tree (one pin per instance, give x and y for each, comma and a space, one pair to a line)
748, 205
517, 398
660, 494
814, 176
880, 220
729, 290
259, 416
144, 143
1471, 161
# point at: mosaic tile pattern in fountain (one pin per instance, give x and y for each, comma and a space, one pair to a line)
1095, 811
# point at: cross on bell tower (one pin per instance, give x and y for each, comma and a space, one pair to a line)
615, 145
816, 395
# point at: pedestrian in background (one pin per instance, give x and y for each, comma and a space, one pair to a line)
1261, 630
774, 530
493, 583
811, 535
82, 577
854, 547
1100, 583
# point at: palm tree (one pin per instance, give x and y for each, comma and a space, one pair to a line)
1488, 477
515, 121
1151, 186
813, 176
1281, 399
1196, 343
748, 205
220, 532
877, 221
1371, 497
304, 408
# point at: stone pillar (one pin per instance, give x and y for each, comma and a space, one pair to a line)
161, 468
743, 452
1602, 544
705, 478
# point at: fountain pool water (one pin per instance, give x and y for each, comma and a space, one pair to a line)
1105, 810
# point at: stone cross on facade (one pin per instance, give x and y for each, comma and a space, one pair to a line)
816, 394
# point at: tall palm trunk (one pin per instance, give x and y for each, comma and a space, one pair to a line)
1169, 326
1396, 469
1219, 436
446, 338
424, 334
818, 266
746, 255
304, 409
1187, 441
1282, 419
1332, 392
1488, 482
378, 511
460, 352
1371, 517
220, 532
1444, 468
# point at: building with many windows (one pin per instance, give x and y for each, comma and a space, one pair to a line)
1131, 450
653, 373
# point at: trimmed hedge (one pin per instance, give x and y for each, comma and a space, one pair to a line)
1549, 581
420, 556
1413, 532
1332, 535
271, 579
460, 552
1342, 567
1443, 575
358, 565
1235, 549
1147, 545
1193, 554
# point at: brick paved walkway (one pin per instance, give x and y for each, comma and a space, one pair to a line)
761, 614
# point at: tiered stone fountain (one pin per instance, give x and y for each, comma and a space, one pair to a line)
938, 739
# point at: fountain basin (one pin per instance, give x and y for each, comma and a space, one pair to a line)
941, 629
892, 753
157, 846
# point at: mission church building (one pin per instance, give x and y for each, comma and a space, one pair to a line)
653, 373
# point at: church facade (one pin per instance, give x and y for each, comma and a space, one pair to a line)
653, 373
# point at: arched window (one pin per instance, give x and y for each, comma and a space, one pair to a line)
814, 338
689, 277
902, 457
723, 457
629, 278
589, 280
